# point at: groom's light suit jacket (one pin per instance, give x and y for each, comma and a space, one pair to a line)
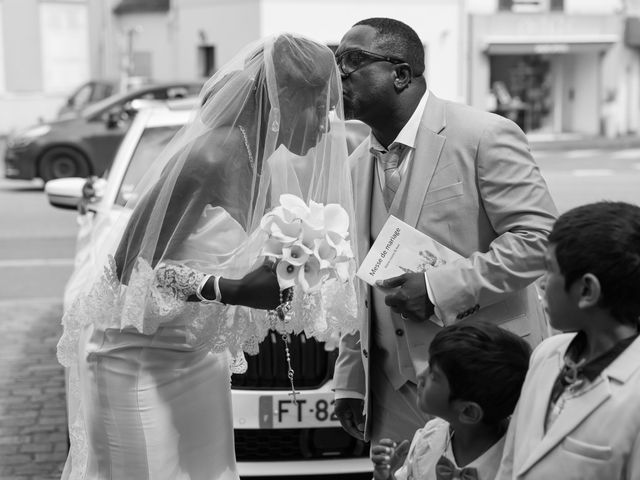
473, 186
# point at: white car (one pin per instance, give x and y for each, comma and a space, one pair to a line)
273, 437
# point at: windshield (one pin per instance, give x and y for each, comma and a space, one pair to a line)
152, 142
103, 104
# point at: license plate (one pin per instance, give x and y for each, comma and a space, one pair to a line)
311, 410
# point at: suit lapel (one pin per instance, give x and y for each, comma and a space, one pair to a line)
428, 147
575, 412
536, 402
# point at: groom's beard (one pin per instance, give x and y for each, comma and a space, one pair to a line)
347, 106
349, 112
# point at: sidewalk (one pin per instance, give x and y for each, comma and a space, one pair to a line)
33, 430
569, 141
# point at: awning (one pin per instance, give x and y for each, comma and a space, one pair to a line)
540, 45
141, 6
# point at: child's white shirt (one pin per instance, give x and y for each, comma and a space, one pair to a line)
431, 442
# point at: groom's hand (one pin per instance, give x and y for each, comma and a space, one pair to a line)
349, 412
257, 289
407, 295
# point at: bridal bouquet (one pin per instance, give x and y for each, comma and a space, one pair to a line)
313, 254
310, 246
308, 242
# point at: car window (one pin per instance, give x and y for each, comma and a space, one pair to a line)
152, 142
82, 97
102, 91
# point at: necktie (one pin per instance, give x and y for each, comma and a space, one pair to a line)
390, 161
446, 470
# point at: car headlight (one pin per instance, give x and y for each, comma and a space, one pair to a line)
24, 138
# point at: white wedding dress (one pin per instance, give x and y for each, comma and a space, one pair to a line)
154, 405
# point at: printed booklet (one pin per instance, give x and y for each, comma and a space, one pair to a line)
400, 248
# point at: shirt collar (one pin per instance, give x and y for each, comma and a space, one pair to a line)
409, 132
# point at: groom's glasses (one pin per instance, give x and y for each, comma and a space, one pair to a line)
352, 60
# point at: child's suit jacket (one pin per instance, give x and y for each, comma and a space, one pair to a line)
596, 436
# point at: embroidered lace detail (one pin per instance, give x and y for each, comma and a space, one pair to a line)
177, 280
325, 315
154, 298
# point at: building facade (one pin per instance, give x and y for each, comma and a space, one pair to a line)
554, 66
194, 37
165, 40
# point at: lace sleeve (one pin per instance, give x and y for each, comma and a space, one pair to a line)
178, 281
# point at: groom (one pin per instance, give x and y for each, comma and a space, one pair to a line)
463, 176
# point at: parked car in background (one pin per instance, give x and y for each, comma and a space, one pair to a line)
87, 93
84, 145
273, 437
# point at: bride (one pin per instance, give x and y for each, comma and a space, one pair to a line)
181, 292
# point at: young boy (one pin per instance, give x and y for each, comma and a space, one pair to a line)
579, 413
472, 384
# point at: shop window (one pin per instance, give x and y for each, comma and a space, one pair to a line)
206, 60
521, 87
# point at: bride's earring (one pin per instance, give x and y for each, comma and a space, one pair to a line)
275, 126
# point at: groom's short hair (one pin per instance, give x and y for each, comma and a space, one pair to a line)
400, 39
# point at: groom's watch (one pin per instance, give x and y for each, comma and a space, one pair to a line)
216, 289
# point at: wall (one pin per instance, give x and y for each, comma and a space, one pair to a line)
481, 6
23, 67
591, 7
45, 57
229, 25
150, 34
437, 22
103, 39
64, 49
2, 31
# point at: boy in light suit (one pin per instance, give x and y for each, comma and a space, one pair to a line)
578, 416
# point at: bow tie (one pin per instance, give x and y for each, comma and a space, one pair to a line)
446, 470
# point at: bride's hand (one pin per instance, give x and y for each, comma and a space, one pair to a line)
257, 289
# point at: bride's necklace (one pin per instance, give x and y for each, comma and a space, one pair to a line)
246, 144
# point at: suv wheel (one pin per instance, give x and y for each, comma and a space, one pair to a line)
60, 162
